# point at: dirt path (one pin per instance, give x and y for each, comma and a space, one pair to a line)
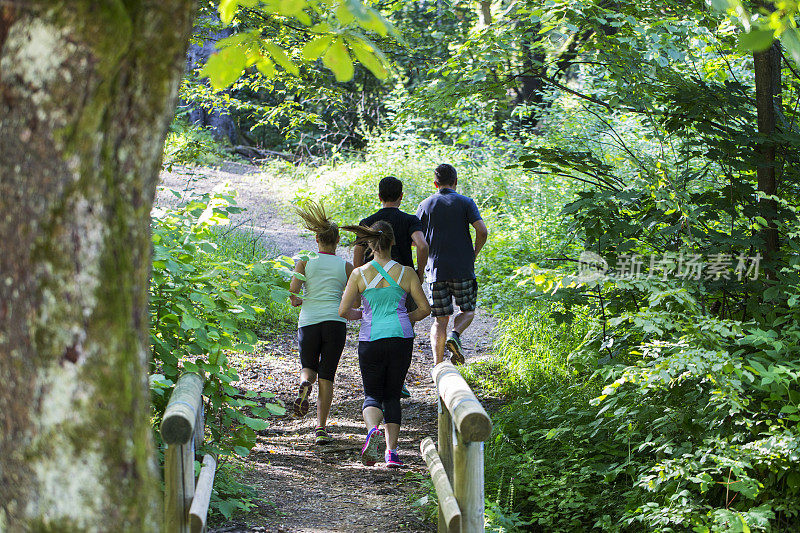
303, 487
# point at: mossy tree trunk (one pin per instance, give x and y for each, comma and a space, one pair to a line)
87, 90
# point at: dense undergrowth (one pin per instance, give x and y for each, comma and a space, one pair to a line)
214, 292
635, 404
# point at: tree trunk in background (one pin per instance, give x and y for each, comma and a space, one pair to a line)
484, 12
767, 66
87, 90
218, 119
531, 90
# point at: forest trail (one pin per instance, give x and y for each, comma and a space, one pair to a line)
303, 487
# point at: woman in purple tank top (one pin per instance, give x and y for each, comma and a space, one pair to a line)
387, 335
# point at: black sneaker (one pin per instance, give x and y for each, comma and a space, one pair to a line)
454, 345
300, 404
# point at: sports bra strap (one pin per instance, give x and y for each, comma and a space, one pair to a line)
403, 271
382, 274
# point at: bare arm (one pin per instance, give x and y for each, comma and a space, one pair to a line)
296, 284
481, 234
422, 253
359, 251
350, 297
412, 286
348, 269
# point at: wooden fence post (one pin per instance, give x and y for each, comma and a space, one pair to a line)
174, 517
468, 484
178, 429
461, 416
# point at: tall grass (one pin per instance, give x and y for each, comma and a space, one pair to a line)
247, 247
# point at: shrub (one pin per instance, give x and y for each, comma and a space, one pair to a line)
202, 306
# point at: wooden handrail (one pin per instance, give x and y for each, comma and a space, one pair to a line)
182, 429
202, 496
464, 425
468, 414
444, 491
183, 409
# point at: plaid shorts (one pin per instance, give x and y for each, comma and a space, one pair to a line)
465, 292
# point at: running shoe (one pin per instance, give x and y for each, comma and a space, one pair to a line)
322, 436
392, 460
369, 453
454, 345
404, 392
300, 403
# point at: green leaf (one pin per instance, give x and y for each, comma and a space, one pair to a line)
756, 40
266, 67
291, 8
190, 322
316, 46
366, 56
722, 5
790, 39
256, 423
275, 409
338, 60
227, 9
241, 451
374, 22
224, 67
227, 508
343, 14
280, 57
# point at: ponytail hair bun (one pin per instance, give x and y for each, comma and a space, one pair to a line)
379, 236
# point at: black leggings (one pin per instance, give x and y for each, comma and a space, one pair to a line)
321, 347
384, 364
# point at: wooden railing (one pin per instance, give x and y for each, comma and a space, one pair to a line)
457, 467
185, 503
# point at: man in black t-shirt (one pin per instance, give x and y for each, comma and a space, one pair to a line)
407, 229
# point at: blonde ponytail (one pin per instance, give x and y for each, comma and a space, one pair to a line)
317, 221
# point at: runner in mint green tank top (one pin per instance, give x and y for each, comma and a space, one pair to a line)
321, 331
387, 335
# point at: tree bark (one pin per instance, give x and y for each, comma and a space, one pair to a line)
767, 65
484, 12
87, 90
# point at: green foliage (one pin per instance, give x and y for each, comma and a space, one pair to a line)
532, 346
203, 304
336, 34
230, 496
189, 144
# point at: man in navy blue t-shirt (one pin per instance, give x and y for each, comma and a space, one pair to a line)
446, 217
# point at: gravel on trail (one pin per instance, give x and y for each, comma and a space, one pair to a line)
304, 487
